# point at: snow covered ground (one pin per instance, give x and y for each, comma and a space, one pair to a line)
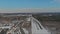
35, 30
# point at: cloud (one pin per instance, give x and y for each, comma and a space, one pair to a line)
57, 0
35, 10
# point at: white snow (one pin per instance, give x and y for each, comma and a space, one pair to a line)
40, 31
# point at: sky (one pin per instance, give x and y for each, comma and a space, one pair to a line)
29, 4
